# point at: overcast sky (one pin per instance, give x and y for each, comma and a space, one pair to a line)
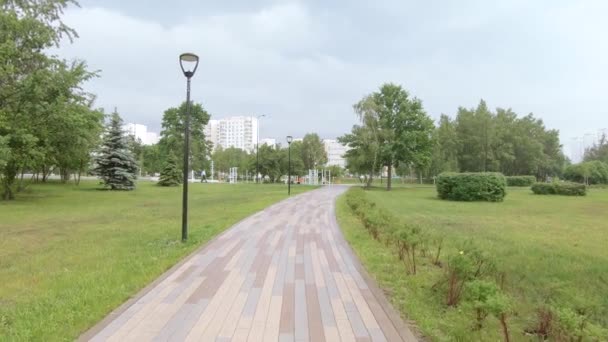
304, 63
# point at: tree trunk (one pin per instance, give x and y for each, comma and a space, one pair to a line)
43, 173
80, 168
505, 329
369, 180
8, 180
21, 187
389, 178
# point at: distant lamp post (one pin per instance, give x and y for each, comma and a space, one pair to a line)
289, 140
257, 150
188, 62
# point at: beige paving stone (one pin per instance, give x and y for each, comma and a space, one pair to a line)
283, 274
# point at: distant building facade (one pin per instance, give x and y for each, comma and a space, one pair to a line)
139, 131
335, 152
237, 131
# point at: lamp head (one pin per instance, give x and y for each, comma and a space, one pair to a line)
188, 62
289, 139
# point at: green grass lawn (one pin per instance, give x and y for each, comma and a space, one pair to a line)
69, 255
553, 250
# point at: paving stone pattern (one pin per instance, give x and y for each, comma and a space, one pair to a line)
283, 274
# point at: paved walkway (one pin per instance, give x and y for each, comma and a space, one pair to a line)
283, 274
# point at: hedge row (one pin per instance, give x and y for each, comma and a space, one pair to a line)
520, 180
482, 186
561, 188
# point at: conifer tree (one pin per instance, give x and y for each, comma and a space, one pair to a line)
115, 164
170, 175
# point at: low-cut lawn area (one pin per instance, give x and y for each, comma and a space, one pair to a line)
69, 255
552, 249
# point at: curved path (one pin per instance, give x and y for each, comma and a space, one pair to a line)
283, 274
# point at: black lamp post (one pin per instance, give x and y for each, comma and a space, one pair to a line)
188, 62
289, 140
257, 149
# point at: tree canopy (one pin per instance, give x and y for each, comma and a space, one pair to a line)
481, 140
46, 119
115, 163
312, 151
172, 135
394, 129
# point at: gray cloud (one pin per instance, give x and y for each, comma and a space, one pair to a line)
305, 63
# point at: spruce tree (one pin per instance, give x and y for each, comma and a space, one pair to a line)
115, 164
170, 175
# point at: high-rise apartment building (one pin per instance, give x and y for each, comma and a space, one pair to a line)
141, 132
237, 131
335, 152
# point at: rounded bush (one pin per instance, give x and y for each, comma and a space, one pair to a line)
561, 188
480, 186
520, 180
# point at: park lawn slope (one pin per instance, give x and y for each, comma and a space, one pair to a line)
69, 255
552, 250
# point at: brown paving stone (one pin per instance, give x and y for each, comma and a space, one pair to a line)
315, 325
286, 325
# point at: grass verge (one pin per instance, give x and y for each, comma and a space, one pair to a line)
552, 251
69, 255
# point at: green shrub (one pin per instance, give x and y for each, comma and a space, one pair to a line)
559, 188
520, 180
482, 186
593, 172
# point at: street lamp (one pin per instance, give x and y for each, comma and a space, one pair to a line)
257, 149
188, 62
289, 140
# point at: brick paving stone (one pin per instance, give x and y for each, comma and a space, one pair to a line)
284, 274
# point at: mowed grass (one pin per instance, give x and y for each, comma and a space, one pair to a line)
552, 249
69, 255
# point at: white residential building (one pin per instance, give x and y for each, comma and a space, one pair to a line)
268, 141
237, 131
335, 152
141, 132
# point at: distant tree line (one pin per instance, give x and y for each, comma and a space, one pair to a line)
594, 167
273, 160
480, 140
395, 132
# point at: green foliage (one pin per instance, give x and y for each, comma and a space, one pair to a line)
46, 120
486, 186
153, 159
599, 150
520, 180
312, 151
394, 129
560, 188
480, 140
445, 147
362, 157
408, 239
336, 171
486, 299
590, 172
172, 134
467, 264
170, 175
570, 325
224, 159
115, 164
